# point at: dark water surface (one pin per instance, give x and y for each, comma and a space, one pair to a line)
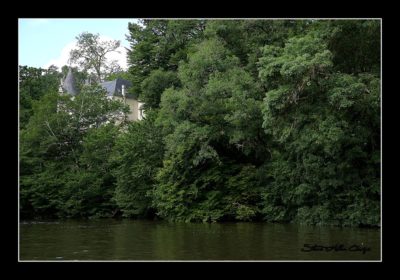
158, 240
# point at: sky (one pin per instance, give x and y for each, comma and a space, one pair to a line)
43, 42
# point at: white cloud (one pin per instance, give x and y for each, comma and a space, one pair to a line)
63, 58
120, 55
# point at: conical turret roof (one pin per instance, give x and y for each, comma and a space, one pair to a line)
69, 84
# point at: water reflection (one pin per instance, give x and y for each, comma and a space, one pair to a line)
158, 240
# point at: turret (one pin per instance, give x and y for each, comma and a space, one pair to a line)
69, 84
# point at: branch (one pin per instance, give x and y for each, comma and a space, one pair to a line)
48, 125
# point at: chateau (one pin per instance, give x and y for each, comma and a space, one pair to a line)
116, 89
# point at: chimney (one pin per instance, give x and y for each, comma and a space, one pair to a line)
123, 93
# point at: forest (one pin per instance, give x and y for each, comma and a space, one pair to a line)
246, 120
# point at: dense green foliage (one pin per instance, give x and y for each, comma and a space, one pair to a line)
137, 157
154, 85
159, 44
64, 151
33, 84
245, 120
325, 167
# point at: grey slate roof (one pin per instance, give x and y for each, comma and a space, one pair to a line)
114, 88
69, 84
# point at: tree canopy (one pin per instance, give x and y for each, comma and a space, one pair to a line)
246, 120
90, 54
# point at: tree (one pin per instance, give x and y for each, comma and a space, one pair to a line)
33, 84
160, 44
118, 74
246, 120
154, 85
64, 152
89, 190
325, 128
351, 58
136, 159
212, 132
91, 52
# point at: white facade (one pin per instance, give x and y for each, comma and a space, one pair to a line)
135, 107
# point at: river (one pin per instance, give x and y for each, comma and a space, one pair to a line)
111, 239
